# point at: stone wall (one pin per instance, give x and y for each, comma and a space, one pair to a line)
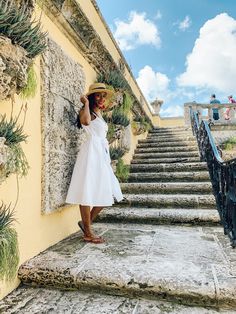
63, 82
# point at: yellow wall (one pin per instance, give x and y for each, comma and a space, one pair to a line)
171, 122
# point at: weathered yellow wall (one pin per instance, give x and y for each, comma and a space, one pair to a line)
171, 122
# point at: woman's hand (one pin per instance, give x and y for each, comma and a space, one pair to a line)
84, 100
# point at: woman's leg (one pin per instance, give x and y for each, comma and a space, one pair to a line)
86, 219
94, 212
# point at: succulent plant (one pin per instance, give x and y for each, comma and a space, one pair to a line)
16, 24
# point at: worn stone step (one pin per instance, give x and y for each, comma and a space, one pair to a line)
168, 140
195, 176
163, 137
166, 149
167, 167
164, 160
167, 188
29, 300
166, 155
169, 200
170, 130
176, 263
164, 144
170, 134
160, 216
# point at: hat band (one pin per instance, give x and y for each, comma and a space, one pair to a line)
96, 88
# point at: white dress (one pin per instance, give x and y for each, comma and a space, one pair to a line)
93, 182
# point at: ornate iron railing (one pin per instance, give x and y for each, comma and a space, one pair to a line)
222, 174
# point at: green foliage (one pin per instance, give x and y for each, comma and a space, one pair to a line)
229, 144
16, 159
11, 131
16, 162
111, 132
113, 78
116, 153
122, 171
30, 89
119, 118
127, 104
9, 253
16, 24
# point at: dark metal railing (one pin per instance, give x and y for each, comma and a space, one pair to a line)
222, 174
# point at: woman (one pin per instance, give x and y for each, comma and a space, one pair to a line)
227, 112
93, 184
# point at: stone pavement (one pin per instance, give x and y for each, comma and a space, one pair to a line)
165, 251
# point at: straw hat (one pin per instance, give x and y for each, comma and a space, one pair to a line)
99, 88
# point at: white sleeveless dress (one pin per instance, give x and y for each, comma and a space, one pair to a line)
93, 182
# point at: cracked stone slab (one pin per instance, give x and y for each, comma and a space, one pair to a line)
169, 176
27, 300
160, 216
170, 262
166, 167
166, 138
167, 188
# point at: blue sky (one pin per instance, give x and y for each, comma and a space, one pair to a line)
178, 50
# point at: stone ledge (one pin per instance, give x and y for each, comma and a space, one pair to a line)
160, 216
184, 264
27, 300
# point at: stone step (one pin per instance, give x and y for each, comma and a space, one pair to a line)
171, 134
168, 140
157, 216
176, 167
170, 130
169, 200
167, 188
164, 144
174, 155
169, 176
164, 160
28, 300
166, 149
175, 263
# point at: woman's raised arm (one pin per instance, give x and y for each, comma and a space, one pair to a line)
84, 115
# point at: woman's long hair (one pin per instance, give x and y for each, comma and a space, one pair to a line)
92, 105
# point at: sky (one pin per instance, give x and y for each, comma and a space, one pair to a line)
178, 50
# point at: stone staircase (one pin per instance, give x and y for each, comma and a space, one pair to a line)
165, 251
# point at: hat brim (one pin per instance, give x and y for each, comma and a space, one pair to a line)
109, 92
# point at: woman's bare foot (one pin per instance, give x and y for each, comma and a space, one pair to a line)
93, 239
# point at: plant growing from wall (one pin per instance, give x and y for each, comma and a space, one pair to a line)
113, 78
118, 117
122, 171
9, 253
16, 24
30, 89
12, 136
116, 153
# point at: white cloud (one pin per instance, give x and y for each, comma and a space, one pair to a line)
212, 62
172, 111
158, 15
185, 24
137, 31
153, 84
